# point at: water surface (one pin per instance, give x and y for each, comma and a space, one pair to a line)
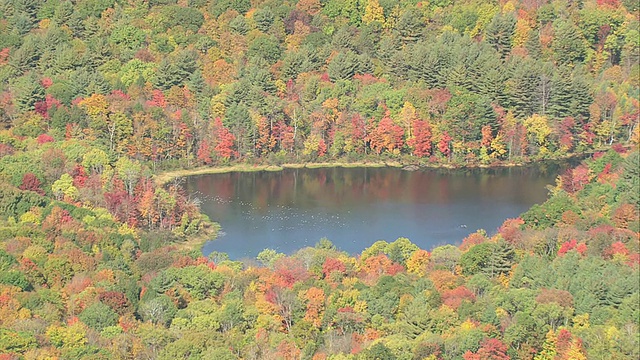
354, 207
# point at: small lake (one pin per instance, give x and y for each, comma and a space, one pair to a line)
354, 207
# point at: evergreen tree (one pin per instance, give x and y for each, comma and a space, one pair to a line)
166, 75
343, 66
264, 18
410, 26
27, 92
568, 45
629, 187
522, 88
501, 259
561, 94
499, 33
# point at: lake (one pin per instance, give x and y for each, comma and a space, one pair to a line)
354, 207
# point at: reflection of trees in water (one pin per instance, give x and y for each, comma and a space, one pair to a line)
357, 187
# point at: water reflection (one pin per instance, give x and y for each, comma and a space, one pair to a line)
294, 208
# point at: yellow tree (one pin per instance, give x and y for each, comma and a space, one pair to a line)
97, 108
538, 130
417, 263
407, 115
373, 12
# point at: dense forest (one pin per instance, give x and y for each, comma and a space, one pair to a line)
97, 97
193, 82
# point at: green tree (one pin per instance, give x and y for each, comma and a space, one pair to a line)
27, 91
129, 171
266, 47
343, 66
264, 18
159, 310
501, 260
499, 33
568, 45
98, 316
409, 26
477, 258
128, 37
629, 185
63, 187
446, 257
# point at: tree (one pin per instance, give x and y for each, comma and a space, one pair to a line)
378, 352
343, 66
444, 145
499, 33
95, 160
27, 92
409, 26
159, 310
418, 262
224, 141
31, 183
501, 260
568, 44
63, 188
446, 256
373, 12
477, 258
98, 316
538, 130
629, 185
129, 171
491, 349
421, 140
386, 135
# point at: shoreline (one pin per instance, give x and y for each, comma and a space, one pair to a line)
164, 177
198, 241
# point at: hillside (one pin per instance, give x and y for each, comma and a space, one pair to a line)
100, 97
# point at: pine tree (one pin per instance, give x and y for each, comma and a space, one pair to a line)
499, 33
629, 185
501, 259
27, 92
343, 66
568, 45
522, 88
561, 94
410, 25
166, 75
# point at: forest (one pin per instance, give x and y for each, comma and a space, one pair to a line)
99, 97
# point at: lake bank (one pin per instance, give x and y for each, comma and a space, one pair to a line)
166, 177
162, 178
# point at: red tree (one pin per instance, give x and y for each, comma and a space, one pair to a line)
330, 265
491, 349
204, 153
386, 136
421, 141
30, 182
453, 298
224, 140
445, 144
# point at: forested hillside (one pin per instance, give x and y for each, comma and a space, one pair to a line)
201, 82
81, 278
98, 96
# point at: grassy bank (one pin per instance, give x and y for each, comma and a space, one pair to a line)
166, 177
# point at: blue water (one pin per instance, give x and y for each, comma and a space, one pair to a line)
355, 207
